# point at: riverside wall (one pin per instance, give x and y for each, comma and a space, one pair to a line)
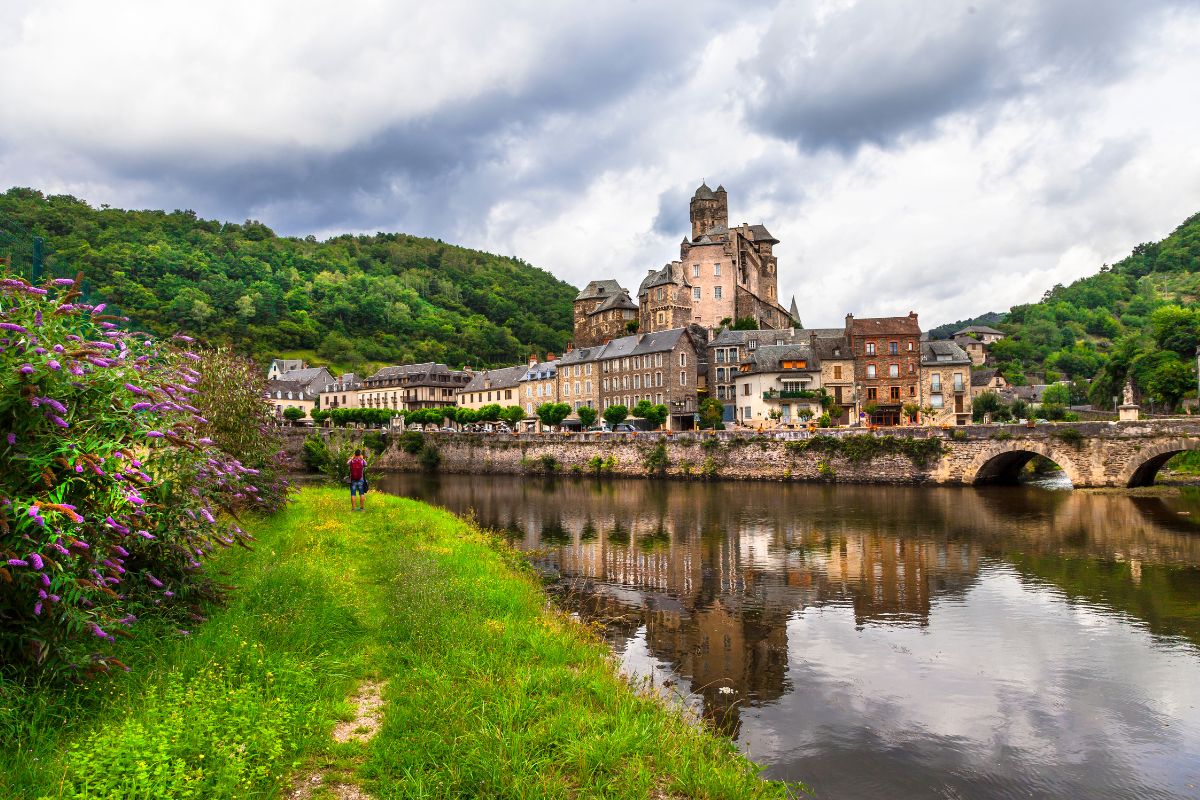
1090, 453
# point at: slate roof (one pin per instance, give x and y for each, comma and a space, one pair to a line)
641, 343
982, 377
540, 371
832, 348
704, 193
620, 300
883, 326
597, 289
347, 382
943, 352
760, 234
767, 357
427, 368
502, 378
663, 277
287, 364
300, 391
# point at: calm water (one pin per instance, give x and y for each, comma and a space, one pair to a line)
891, 642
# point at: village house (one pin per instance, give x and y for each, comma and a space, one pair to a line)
779, 384
293, 384
413, 386
833, 352
945, 384
603, 311
575, 375
976, 340
539, 384
492, 387
342, 392
887, 360
662, 368
990, 380
284, 394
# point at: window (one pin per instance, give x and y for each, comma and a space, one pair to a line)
695, 292
935, 400
910, 346
682, 378
752, 344
716, 292
871, 371
958, 381
567, 388
661, 318
870, 348
717, 270
895, 392
893, 370
624, 363
683, 359
837, 372
637, 381
912, 390
720, 356
696, 271
576, 387
911, 368
658, 359
746, 389
646, 379
662, 293
587, 386
935, 382
658, 399
794, 365
658, 379
894, 348
872, 393
587, 370
508, 394
720, 392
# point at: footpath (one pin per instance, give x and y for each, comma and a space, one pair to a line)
397, 652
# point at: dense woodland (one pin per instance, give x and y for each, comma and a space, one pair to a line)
350, 302
1136, 319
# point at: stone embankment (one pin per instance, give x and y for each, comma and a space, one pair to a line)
1090, 453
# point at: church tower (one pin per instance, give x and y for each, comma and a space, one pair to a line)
709, 210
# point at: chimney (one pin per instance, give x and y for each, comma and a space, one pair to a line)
549, 356
533, 359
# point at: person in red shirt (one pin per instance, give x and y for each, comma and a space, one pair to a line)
358, 479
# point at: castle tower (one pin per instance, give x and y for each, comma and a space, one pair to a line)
709, 210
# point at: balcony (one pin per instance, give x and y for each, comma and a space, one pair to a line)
796, 394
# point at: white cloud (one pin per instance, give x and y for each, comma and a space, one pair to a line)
1040, 142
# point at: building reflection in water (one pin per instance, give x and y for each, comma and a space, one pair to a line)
704, 577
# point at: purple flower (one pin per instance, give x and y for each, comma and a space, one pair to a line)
57, 406
54, 365
153, 581
64, 551
98, 632
36, 560
16, 562
12, 326
134, 389
145, 534
99, 308
63, 281
141, 406
12, 439
135, 499
25, 369
59, 421
204, 512
37, 608
154, 435
58, 348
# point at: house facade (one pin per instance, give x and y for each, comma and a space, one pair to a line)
492, 387
662, 368
779, 385
539, 384
603, 311
342, 392
413, 386
283, 394
945, 384
887, 361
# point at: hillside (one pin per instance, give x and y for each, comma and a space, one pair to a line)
350, 301
1139, 318
991, 318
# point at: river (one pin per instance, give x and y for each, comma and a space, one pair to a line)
895, 642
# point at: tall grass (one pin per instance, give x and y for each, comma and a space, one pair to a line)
489, 693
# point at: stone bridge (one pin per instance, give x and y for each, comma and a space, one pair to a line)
1091, 454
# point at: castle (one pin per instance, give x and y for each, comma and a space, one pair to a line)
723, 275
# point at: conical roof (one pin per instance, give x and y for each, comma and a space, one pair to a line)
704, 193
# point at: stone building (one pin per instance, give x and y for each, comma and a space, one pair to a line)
779, 384
723, 274
575, 376
887, 360
945, 384
661, 367
603, 311
342, 392
413, 386
837, 371
539, 384
493, 387
976, 340
728, 349
283, 394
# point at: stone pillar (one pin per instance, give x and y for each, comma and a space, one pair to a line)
1128, 412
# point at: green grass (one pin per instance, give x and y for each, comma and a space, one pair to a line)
489, 693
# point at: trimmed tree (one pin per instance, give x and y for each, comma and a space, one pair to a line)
615, 415
587, 415
552, 414
293, 414
512, 415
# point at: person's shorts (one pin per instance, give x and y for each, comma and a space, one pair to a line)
358, 487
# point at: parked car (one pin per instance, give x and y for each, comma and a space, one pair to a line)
625, 427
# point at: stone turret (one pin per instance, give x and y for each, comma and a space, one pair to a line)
709, 210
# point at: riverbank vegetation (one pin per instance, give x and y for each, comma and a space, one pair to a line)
488, 693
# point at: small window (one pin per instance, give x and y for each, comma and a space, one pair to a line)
682, 378
745, 388
871, 371
893, 370
662, 293
895, 392
872, 393
894, 348
717, 270
695, 292
716, 292
935, 400
683, 359
837, 372
870, 348
910, 346
695, 270
752, 344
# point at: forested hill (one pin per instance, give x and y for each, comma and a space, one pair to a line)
348, 301
1139, 318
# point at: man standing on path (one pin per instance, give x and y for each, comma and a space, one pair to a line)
358, 479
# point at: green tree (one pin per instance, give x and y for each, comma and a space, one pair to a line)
745, 324
985, 403
656, 415
587, 415
1057, 394
712, 411
512, 415
293, 414
615, 415
490, 412
552, 414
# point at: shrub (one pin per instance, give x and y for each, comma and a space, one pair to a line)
587, 416
552, 414
711, 445
656, 460
411, 442
709, 468
293, 414
429, 457
110, 494
615, 415
1070, 436
549, 464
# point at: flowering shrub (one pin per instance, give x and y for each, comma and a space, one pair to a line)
110, 495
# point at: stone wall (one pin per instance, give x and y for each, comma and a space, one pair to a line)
1090, 453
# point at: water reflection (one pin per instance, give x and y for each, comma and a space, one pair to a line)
872, 640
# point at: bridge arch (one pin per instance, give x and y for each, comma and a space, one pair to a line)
1001, 463
1143, 466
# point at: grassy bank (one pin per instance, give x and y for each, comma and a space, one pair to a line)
488, 694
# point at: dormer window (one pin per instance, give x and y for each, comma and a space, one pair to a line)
752, 344
794, 364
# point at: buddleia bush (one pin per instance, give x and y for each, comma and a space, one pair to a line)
111, 495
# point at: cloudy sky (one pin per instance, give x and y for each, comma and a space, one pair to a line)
946, 157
